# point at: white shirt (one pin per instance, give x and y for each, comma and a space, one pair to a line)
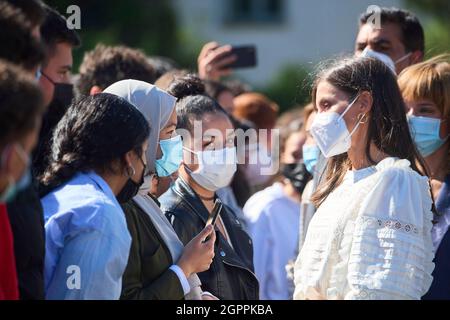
275, 237
371, 238
308, 209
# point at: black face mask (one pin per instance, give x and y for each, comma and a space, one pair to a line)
297, 175
63, 94
62, 98
131, 188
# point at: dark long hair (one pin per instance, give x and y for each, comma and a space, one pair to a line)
95, 132
387, 125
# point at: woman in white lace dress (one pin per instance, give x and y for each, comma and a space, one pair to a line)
370, 237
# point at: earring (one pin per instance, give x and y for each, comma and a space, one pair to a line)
361, 117
133, 171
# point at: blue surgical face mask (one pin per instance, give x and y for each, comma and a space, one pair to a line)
38, 74
425, 132
10, 192
15, 187
310, 156
25, 180
172, 155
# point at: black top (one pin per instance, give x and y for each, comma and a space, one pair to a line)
27, 224
440, 287
147, 275
231, 275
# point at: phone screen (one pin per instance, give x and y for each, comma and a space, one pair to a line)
245, 57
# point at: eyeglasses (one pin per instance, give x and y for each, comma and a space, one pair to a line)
47, 77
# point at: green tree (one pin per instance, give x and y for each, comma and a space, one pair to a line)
150, 25
437, 26
290, 87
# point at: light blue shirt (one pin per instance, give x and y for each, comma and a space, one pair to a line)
274, 221
87, 240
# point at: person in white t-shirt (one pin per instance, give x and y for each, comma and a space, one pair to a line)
273, 218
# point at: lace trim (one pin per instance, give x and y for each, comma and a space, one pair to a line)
362, 294
389, 224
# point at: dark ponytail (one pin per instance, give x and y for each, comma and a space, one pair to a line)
94, 132
193, 102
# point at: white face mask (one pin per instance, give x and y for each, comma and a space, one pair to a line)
384, 58
216, 168
330, 132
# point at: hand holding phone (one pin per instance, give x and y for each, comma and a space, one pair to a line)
212, 59
245, 57
198, 254
215, 61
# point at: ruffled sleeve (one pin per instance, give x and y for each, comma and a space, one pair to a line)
391, 253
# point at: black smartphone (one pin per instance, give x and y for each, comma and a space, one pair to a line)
214, 213
246, 57
213, 216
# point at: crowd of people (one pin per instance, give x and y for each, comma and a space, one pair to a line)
109, 173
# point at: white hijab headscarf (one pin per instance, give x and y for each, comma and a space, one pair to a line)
156, 105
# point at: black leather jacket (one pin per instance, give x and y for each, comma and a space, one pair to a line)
231, 275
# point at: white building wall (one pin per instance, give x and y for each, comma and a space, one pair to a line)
312, 30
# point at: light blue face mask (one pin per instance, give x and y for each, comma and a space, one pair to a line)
172, 155
9, 193
25, 180
425, 132
310, 156
15, 187
38, 74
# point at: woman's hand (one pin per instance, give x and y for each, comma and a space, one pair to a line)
198, 255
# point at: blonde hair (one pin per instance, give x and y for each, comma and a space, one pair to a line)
428, 80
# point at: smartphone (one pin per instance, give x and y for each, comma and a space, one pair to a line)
213, 216
246, 57
214, 213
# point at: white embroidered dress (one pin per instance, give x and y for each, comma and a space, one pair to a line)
371, 238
